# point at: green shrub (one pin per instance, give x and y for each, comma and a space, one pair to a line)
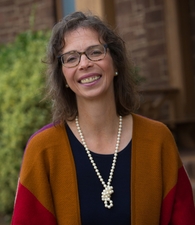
22, 81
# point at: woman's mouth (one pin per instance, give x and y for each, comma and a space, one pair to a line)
89, 79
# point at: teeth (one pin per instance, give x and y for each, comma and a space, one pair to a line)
89, 79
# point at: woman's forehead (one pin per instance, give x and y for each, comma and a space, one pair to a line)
80, 38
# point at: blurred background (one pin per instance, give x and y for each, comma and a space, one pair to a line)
160, 38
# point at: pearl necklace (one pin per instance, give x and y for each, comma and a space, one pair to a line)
108, 189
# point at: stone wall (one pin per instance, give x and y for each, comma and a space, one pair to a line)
16, 16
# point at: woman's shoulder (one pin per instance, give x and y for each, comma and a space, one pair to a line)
150, 127
47, 130
48, 135
145, 121
153, 135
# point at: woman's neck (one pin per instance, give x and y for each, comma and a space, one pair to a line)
99, 124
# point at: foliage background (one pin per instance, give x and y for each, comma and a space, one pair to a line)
22, 111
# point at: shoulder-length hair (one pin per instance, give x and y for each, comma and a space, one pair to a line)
64, 105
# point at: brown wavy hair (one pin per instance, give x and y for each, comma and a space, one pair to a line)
64, 99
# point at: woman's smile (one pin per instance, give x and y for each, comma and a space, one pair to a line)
91, 79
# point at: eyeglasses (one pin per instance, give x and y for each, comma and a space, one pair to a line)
93, 53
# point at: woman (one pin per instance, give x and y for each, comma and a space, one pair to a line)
99, 163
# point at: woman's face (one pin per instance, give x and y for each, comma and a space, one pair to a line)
89, 79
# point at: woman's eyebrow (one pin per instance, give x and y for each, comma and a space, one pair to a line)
81, 51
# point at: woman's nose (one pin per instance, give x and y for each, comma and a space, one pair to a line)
85, 62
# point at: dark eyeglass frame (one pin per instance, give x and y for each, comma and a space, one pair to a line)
82, 53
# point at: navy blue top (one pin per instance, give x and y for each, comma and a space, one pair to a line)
92, 208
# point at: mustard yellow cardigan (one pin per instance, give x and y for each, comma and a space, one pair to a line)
47, 190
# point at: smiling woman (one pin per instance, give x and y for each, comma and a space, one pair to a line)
65, 108
99, 162
91, 73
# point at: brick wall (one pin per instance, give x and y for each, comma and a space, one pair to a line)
141, 24
15, 16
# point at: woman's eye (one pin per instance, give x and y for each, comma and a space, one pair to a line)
71, 58
96, 52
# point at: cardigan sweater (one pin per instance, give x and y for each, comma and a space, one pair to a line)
47, 191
